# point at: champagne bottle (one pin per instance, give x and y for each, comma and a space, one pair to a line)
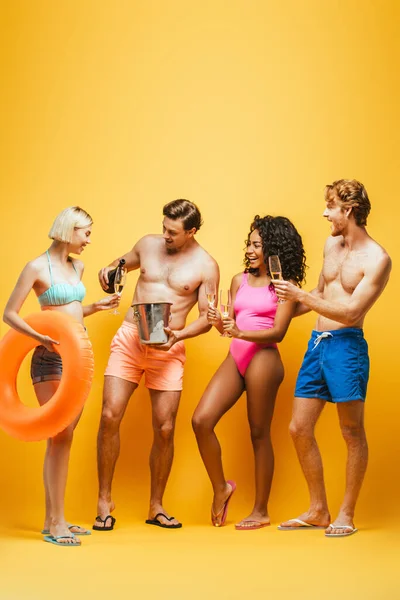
111, 277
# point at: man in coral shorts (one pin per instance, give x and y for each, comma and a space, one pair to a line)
174, 268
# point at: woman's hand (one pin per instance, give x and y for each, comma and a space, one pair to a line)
109, 302
213, 314
230, 327
47, 342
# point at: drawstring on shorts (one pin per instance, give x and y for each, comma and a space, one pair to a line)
324, 334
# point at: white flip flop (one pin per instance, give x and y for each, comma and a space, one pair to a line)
301, 525
350, 531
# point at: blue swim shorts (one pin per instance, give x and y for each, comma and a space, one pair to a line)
335, 367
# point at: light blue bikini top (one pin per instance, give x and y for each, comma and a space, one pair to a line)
61, 293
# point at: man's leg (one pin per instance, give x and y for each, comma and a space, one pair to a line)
351, 418
306, 412
116, 396
164, 410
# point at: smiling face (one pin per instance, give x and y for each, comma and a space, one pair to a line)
80, 239
337, 215
175, 235
254, 251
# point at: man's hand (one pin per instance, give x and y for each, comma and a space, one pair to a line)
103, 276
107, 303
213, 314
172, 339
286, 290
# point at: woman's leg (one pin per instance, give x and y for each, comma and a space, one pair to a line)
263, 378
55, 469
223, 391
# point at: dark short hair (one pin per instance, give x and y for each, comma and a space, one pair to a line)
186, 211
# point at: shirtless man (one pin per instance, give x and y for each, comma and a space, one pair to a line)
336, 366
173, 268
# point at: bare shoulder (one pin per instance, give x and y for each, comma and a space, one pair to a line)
237, 279
34, 268
378, 258
151, 240
205, 257
37, 264
332, 243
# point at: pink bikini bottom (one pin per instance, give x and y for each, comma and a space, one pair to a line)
243, 352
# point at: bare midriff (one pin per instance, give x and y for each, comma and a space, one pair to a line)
74, 309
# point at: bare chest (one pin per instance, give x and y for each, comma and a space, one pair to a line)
344, 268
176, 273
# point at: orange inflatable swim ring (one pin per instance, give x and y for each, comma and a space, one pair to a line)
33, 424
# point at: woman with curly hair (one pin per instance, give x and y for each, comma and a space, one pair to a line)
257, 322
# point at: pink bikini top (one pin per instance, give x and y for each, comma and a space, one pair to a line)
255, 307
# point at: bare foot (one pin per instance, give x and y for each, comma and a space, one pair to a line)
155, 509
78, 530
104, 509
60, 528
255, 520
311, 517
218, 505
342, 519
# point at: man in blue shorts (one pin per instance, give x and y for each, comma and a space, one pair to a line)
336, 366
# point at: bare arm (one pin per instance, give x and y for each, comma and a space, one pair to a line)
18, 296
274, 334
103, 304
201, 324
132, 262
302, 309
213, 314
351, 312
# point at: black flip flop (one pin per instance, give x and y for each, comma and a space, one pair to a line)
104, 528
155, 521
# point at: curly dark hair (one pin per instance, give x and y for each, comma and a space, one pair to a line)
279, 236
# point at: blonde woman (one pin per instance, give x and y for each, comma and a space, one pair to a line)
56, 279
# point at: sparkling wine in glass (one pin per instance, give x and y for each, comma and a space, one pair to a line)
275, 269
119, 282
225, 303
211, 292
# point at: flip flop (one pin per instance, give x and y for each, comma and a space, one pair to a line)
104, 528
349, 527
301, 525
253, 525
224, 509
158, 523
85, 532
53, 539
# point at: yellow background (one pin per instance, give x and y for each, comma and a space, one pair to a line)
244, 108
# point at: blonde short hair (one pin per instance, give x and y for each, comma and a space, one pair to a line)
65, 223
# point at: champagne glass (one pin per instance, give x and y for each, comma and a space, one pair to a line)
225, 303
211, 292
275, 269
119, 282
